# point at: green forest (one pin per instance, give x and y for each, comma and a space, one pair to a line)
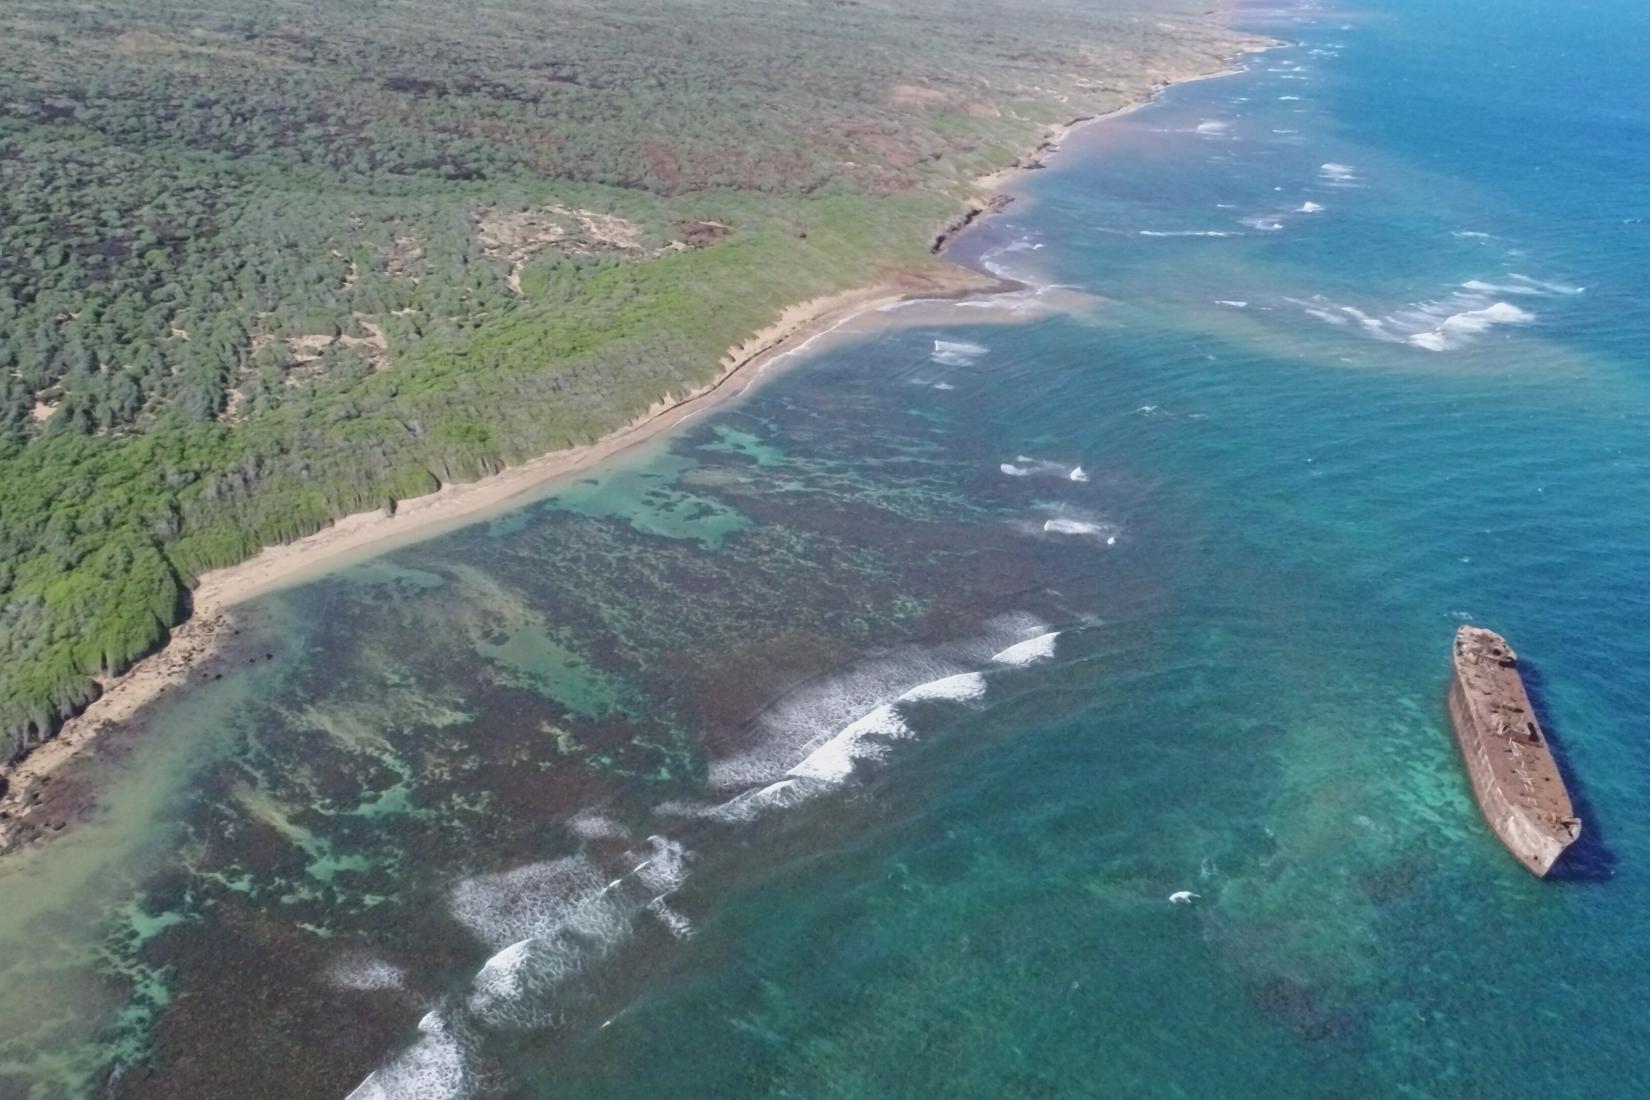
264, 263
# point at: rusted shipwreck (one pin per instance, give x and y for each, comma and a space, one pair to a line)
1506, 753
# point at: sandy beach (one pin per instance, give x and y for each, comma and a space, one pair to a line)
25, 809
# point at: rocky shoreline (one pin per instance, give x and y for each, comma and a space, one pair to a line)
34, 800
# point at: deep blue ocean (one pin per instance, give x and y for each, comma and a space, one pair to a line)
1036, 696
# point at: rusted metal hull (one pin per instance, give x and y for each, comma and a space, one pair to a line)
1507, 757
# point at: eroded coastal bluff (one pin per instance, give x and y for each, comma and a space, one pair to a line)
1508, 759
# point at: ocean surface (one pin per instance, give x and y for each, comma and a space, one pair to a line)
857, 740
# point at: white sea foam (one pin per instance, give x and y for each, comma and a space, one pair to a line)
752, 804
810, 741
666, 867
1550, 288
1230, 302
1026, 466
1449, 322
1310, 208
962, 687
594, 826
816, 737
866, 737
1338, 174
1324, 315
944, 386
499, 978
1522, 284
1063, 520
433, 1068
679, 926
956, 353
992, 260
1264, 224
365, 973
1028, 652
1459, 328
571, 919
1038, 299
1288, 98
1007, 629
1375, 326
792, 728
1211, 127
834, 760
504, 908
1188, 233
1062, 526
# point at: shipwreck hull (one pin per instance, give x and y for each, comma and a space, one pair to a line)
1507, 757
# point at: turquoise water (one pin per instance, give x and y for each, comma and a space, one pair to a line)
853, 741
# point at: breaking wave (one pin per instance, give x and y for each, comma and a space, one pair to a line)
1064, 526
811, 741
1459, 328
1064, 521
866, 737
834, 760
992, 260
1338, 175
1024, 466
1029, 652
433, 1068
793, 727
956, 353
1521, 284
559, 918
963, 687
1447, 323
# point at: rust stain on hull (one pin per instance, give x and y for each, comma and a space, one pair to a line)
1506, 753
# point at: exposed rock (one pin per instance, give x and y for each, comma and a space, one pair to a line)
967, 218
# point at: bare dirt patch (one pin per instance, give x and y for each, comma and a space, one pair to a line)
404, 258
519, 235
373, 347
915, 95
